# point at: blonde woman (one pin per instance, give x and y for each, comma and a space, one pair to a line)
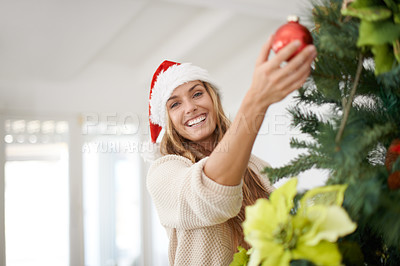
206, 175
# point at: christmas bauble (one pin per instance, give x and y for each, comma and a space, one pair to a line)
394, 180
289, 32
392, 154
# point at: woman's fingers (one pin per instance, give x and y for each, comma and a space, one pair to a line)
284, 54
274, 82
265, 50
304, 58
295, 79
300, 59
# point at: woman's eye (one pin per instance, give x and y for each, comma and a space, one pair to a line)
175, 104
198, 94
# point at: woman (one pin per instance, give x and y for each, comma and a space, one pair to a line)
207, 175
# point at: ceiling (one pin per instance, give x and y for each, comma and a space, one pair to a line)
71, 57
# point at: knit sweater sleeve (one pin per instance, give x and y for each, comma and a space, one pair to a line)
186, 198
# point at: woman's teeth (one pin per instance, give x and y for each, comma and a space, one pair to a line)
196, 120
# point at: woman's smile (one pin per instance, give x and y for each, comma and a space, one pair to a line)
196, 121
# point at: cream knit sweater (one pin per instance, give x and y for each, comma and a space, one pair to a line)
194, 209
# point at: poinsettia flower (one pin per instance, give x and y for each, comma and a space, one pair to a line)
277, 236
322, 207
268, 226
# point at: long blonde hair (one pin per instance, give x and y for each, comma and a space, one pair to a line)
173, 143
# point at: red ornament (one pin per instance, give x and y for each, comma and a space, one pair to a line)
394, 180
395, 147
289, 32
392, 154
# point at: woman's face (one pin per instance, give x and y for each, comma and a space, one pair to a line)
191, 111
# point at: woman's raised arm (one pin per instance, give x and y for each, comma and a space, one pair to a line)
271, 83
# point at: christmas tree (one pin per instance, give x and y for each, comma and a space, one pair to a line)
349, 109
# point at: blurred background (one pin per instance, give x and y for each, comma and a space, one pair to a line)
74, 85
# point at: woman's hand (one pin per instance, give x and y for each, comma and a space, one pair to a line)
272, 82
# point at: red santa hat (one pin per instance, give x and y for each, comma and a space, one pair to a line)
168, 76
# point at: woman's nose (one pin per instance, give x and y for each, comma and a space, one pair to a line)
190, 107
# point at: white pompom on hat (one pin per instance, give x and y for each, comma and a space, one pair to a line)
168, 76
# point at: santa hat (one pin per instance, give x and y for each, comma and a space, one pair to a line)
168, 76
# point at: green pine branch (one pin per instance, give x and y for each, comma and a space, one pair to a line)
302, 163
350, 116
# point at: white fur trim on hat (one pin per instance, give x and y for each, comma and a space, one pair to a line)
167, 82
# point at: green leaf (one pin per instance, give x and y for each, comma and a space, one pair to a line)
281, 260
327, 223
352, 254
369, 13
396, 17
282, 199
365, 3
384, 58
378, 32
240, 258
324, 253
396, 50
326, 195
301, 263
392, 5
